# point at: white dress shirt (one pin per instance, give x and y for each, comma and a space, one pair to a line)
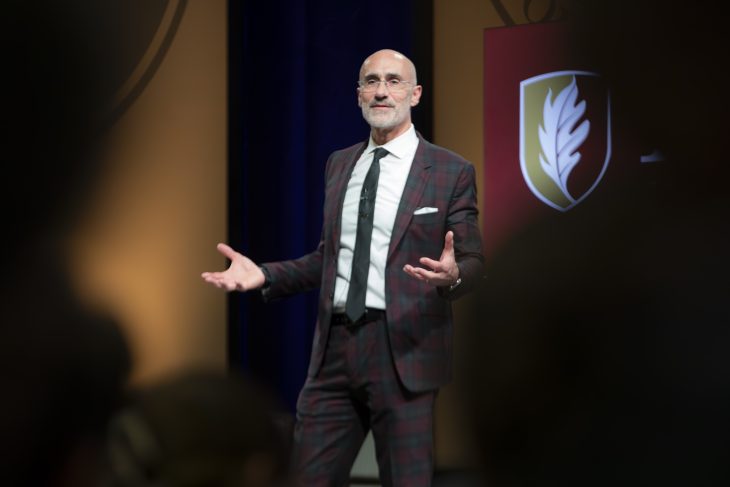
394, 169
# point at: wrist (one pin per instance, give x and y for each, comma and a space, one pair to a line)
455, 284
457, 279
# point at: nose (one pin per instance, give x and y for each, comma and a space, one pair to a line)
381, 91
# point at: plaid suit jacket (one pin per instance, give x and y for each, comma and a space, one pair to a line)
418, 315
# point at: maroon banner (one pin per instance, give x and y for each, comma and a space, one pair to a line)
550, 141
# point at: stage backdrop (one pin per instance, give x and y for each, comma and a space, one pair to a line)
293, 75
551, 138
495, 61
151, 224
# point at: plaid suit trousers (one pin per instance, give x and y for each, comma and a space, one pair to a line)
356, 390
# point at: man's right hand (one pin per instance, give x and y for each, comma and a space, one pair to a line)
242, 275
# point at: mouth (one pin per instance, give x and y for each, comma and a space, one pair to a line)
381, 106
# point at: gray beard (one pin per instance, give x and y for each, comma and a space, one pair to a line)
379, 123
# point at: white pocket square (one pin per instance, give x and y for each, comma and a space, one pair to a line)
424, 210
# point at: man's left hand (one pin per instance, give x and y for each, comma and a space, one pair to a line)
443, 272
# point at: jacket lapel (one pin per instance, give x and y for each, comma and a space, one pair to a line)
340, 188
415, 184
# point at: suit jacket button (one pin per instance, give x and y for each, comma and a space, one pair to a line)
332, 295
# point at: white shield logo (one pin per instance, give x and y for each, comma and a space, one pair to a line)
565, 135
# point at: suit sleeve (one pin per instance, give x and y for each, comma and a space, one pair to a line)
463, 221
294, 276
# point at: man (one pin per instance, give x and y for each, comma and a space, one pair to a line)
382, 344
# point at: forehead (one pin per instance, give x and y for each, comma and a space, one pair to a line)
383, 64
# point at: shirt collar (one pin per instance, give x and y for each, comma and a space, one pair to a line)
399, 147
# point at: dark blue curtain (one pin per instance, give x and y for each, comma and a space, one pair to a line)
293, 72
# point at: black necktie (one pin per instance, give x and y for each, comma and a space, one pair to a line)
355, 306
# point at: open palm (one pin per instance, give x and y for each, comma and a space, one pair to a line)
242, 275
442, 272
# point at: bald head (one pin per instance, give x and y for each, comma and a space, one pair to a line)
408, 68
387, 91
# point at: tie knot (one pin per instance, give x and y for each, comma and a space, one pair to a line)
379, 153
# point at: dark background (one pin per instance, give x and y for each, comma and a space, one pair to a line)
293, 73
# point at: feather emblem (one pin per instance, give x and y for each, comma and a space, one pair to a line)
560, 139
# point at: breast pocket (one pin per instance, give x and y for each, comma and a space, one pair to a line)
427, 218
425, 234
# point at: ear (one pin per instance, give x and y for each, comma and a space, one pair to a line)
416, 95
359, 98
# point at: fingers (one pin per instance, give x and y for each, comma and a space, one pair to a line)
447, 256
212, 277
433, 264
417, 272
218, 280
429, 277
228, 279
227, 251
449, 242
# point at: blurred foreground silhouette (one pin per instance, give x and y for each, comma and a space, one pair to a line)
598, 352
198, 429
63, 367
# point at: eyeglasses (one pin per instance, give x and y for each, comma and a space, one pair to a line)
394, 85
